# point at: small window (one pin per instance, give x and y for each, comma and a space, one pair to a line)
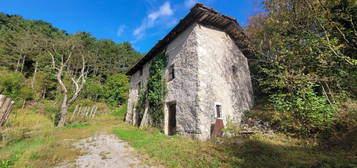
171, 72
141, 72
139, 87
234, 70
218, 111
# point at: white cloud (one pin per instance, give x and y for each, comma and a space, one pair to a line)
120, 30
190, 3
165, 10
152, 18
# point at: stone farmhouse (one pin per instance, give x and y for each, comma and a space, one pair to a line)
207, 77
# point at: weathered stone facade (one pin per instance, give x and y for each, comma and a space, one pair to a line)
224, 79
203, 59
211, 75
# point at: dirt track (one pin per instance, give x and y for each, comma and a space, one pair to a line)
105, 151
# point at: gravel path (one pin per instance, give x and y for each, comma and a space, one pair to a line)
105, 151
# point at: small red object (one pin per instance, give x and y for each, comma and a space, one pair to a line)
218, 128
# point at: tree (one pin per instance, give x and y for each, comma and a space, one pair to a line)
65, 53
117, 87
305, 56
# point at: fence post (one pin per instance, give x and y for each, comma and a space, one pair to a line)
74, 113
5, 108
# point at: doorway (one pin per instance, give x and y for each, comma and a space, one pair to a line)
172, 118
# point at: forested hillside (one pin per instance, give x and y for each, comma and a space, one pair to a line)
39, 62
56, 79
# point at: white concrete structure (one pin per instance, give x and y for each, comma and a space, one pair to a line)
208, 54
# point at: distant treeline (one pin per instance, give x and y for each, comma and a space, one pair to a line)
23, 43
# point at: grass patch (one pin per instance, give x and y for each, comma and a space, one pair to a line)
120, 113
173, 151
46, 146
49, 147
13, 153
259, 151
77, 125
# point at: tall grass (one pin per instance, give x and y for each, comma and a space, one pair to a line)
30, 139
258, 151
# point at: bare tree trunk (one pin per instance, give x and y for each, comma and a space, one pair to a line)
23, 104
63, 112
34, 75
43, 93
74, 113
78, 84
18, 64
23, 63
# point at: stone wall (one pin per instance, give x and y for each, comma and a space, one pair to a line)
134, 92
182, 54
224, 79
203, 59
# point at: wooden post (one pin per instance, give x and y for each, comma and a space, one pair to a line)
95, 111
91, 111
79, 111
9, 109
5, 109
74, 112
2, 100
87, 112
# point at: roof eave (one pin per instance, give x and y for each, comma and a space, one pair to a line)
202, 15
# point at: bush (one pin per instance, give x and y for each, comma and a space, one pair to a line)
117, 89
51, 110
15, 85
93, 89
45, 85
121, 111
303, 112
343, 132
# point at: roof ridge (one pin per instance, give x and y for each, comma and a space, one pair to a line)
204, 15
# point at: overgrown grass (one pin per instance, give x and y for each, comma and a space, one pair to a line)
43, 145
259, 151
120, 113
30, 139
77, 125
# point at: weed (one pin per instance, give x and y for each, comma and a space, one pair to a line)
77, 125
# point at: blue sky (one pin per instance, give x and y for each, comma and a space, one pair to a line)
141, 22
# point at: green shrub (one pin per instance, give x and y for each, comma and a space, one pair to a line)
15, 85
121, 111
45, 85
116, 89
93, 89
303, 112
51, 109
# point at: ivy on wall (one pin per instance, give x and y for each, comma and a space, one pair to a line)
140, 106
155, 92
